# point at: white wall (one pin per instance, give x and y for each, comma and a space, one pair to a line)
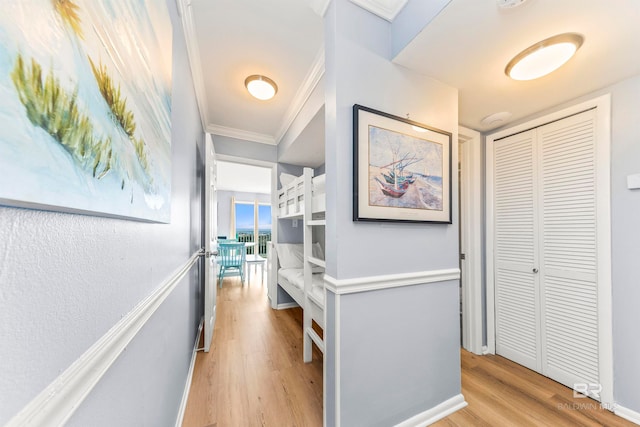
66, 279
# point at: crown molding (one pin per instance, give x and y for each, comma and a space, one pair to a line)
319, 6
304, 92
385, 9
241, 134
193, 53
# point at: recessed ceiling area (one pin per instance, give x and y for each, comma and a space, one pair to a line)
241, 177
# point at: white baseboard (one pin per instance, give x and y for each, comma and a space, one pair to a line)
187, 387
436, 413
60, 399
286, 305
627, 414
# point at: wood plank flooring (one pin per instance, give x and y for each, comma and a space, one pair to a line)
254, 376
502, 393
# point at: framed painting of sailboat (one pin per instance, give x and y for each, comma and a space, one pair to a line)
402, 169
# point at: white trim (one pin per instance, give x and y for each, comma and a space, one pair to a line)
385, 9
304, 92
187, 387
337, 356
319, 6
603, 177
286, 305
57, 403
246, 135
373, 283
193, 52
471, 225
436, 413
627, 414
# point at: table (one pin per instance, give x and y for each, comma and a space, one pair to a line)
255, 260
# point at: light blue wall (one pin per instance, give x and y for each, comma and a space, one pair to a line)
396, 352
358, 55
366, 330
67, 279
244, 149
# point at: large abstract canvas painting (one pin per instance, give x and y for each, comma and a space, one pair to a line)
85, 107
402, 169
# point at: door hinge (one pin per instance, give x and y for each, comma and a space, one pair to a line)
463, 256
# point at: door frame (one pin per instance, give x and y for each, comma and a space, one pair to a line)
210, 276
471, 227
602, 104
272, 290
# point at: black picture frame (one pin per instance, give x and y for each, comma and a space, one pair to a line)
401, 169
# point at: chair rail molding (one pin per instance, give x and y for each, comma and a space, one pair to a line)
60, 399
372, 283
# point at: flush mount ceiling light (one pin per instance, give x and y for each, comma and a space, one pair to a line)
543, 57
261, 87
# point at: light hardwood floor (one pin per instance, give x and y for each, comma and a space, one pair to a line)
254, 376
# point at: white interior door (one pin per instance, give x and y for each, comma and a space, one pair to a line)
545, 249
515, 248
210, 244
568, 230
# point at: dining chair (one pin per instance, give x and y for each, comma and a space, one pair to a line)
232, 258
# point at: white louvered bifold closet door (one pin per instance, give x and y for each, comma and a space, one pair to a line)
545, 276
515, 249
568, 271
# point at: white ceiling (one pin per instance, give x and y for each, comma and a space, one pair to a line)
469, 44
466, 46
240, 177
237, 38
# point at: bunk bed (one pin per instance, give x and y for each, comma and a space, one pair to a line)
300, 266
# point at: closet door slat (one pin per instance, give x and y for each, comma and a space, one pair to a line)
568, 254
517, 317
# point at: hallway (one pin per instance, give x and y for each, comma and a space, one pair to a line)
254, 374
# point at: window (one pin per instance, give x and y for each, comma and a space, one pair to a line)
253, 219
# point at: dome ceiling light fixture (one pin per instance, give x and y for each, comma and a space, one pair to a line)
261, 87
544, 57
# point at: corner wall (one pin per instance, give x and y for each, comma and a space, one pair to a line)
66, 279
391, 351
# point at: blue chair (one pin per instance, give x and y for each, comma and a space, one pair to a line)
232, 257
